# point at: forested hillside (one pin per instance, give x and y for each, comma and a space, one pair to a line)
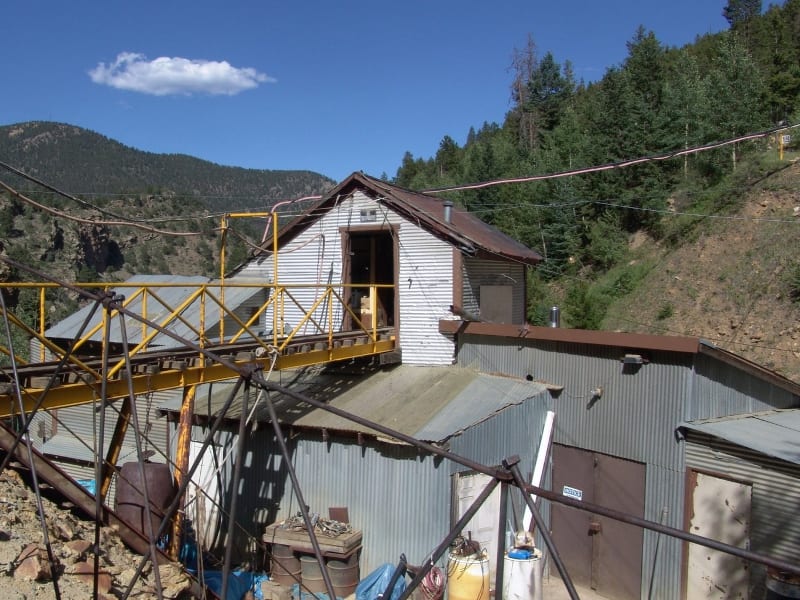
80, 161
103, 180
658, 102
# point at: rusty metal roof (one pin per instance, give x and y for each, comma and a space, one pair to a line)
431, 404
465, 231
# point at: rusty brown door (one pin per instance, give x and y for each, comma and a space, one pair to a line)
599, 553
573, 475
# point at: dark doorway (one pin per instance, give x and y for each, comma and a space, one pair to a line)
600, 553
372, 261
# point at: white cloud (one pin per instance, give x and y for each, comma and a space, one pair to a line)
174, 75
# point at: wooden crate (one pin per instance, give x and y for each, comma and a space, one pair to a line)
299, 541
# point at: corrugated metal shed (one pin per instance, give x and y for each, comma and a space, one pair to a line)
636, 417
397, 495
428, 403
726, 448
774, 433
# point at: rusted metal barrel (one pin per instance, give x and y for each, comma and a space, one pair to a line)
129, 502
311, 574
344, 576
284, 565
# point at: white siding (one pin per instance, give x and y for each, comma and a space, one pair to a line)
426, 292
425, 287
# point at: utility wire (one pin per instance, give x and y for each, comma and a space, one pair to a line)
613, 165
63, 215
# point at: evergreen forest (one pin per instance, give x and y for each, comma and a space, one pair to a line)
660, 103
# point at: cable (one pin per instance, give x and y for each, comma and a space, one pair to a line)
69, 217
613, 165
433, 583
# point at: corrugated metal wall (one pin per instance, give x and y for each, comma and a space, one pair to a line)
477, 272
635, 418
426, 294
397, 497
775, 527
75, 436
721, 390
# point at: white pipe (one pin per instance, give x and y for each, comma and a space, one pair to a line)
541, 461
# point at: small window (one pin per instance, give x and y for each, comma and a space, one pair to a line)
369, 215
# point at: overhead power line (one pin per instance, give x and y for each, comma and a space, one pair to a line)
614, 165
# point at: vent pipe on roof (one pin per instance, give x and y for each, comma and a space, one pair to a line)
448, 210
555, 317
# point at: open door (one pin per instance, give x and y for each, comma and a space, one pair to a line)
370, 258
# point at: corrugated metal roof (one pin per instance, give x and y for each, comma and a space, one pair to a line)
428, 403
177, 291
773, 433
465, 231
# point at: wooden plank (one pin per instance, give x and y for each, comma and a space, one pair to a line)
301, 542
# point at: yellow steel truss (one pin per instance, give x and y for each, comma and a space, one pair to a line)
215, 354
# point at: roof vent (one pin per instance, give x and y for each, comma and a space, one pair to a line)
448, 210
555, 317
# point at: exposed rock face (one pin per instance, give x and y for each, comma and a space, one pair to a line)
96, 249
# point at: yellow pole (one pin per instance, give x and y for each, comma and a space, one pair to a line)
41, 322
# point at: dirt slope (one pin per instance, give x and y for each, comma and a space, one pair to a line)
728, 286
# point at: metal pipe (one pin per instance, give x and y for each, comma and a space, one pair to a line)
511, 463
34, 477
399, 572
241, 444
454, 533
123, 416
501, 539
99, 434
276, 426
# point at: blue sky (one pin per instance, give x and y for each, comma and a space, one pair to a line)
332, 87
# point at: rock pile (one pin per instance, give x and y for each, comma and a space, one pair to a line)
25, 568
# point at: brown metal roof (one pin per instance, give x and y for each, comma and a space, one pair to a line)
465, 231
634, 341
629, 341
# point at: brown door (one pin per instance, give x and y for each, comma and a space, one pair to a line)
600, 553
573, 475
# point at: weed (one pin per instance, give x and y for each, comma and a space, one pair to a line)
665, 312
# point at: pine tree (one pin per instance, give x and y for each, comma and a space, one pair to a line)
737, 12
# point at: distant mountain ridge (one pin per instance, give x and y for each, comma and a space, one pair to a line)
80, 161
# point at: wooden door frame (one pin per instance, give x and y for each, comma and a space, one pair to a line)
371, 229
